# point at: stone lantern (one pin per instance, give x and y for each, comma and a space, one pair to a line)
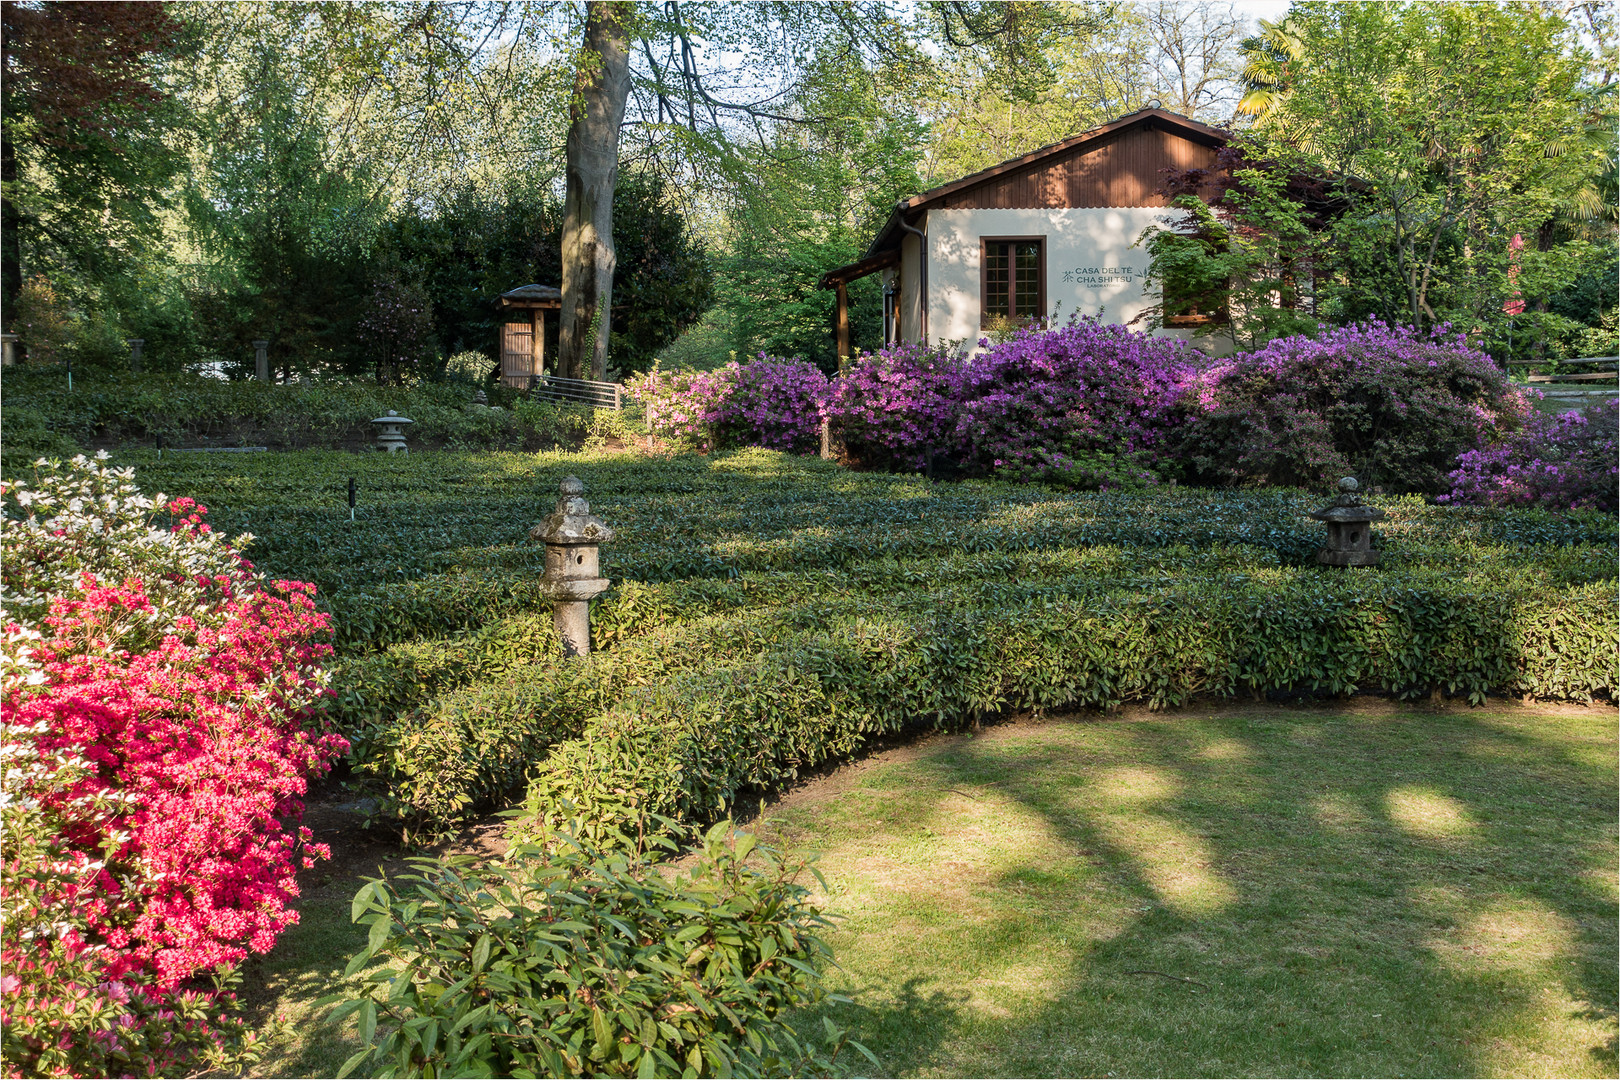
1349, 538
571, 535
391, 432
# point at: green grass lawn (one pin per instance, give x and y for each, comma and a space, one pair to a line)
1365, 889
1369, 890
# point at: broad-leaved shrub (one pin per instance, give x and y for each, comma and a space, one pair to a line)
1389, 405
571, 958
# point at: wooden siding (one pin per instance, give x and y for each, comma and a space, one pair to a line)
1122, 170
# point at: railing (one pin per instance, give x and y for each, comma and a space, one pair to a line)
1572, 384
602, 395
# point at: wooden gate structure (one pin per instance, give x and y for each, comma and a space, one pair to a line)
523, 334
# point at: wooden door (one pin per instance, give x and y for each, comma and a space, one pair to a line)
517, 354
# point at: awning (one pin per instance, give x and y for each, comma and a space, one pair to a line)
869, 265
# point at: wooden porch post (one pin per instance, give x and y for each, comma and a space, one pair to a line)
843, 322
537, 347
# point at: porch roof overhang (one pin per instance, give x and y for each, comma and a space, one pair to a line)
532, 296
883, 260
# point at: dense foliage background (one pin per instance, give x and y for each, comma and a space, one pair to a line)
357, 184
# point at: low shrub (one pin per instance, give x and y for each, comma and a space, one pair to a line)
450, 686
570, 959
789, 688
163, 690
115, 407
1386, 404
1567, 461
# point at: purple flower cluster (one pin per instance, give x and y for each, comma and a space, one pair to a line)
1042, 404
767, 401
895, 407
1390, 405
1040, 401
1560, 462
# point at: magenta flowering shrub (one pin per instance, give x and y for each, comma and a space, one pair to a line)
680, 405
768, 401
1389, 405
895, 407
1563, 462
157, 739
1055, 404
775, 403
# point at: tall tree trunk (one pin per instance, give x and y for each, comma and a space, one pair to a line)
597, 112
10, 230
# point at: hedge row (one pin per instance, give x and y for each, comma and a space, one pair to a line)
688, 746
944, 655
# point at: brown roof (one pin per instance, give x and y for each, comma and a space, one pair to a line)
888, 237
532, 296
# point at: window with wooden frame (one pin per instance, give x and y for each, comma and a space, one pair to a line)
1012, 280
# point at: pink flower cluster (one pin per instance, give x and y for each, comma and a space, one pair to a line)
1568, 461
164, 759
767, 401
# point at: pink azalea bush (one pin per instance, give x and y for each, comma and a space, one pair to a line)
1389, 405
767, 401
1562, 462
679, 404
157, 738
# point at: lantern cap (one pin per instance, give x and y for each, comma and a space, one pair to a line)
572, 521
393, 418
1348, 507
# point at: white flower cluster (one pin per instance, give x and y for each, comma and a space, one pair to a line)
88, 517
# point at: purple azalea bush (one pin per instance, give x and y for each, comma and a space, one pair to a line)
1089, 405
896, 407
1563, 462
1060, 404
775, 403
1389, 405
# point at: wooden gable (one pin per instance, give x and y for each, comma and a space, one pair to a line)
1122, 168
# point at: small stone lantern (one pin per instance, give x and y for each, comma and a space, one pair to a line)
136, 344
571, 535
1349, 538
391, 432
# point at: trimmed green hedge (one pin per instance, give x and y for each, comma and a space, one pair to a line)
689, 745
770, 612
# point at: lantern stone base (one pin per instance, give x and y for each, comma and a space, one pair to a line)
1329, 557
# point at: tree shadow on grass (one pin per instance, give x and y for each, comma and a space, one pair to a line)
1354, 893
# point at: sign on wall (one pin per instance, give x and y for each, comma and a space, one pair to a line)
1102, 275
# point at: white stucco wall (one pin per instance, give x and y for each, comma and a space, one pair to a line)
1091, 264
